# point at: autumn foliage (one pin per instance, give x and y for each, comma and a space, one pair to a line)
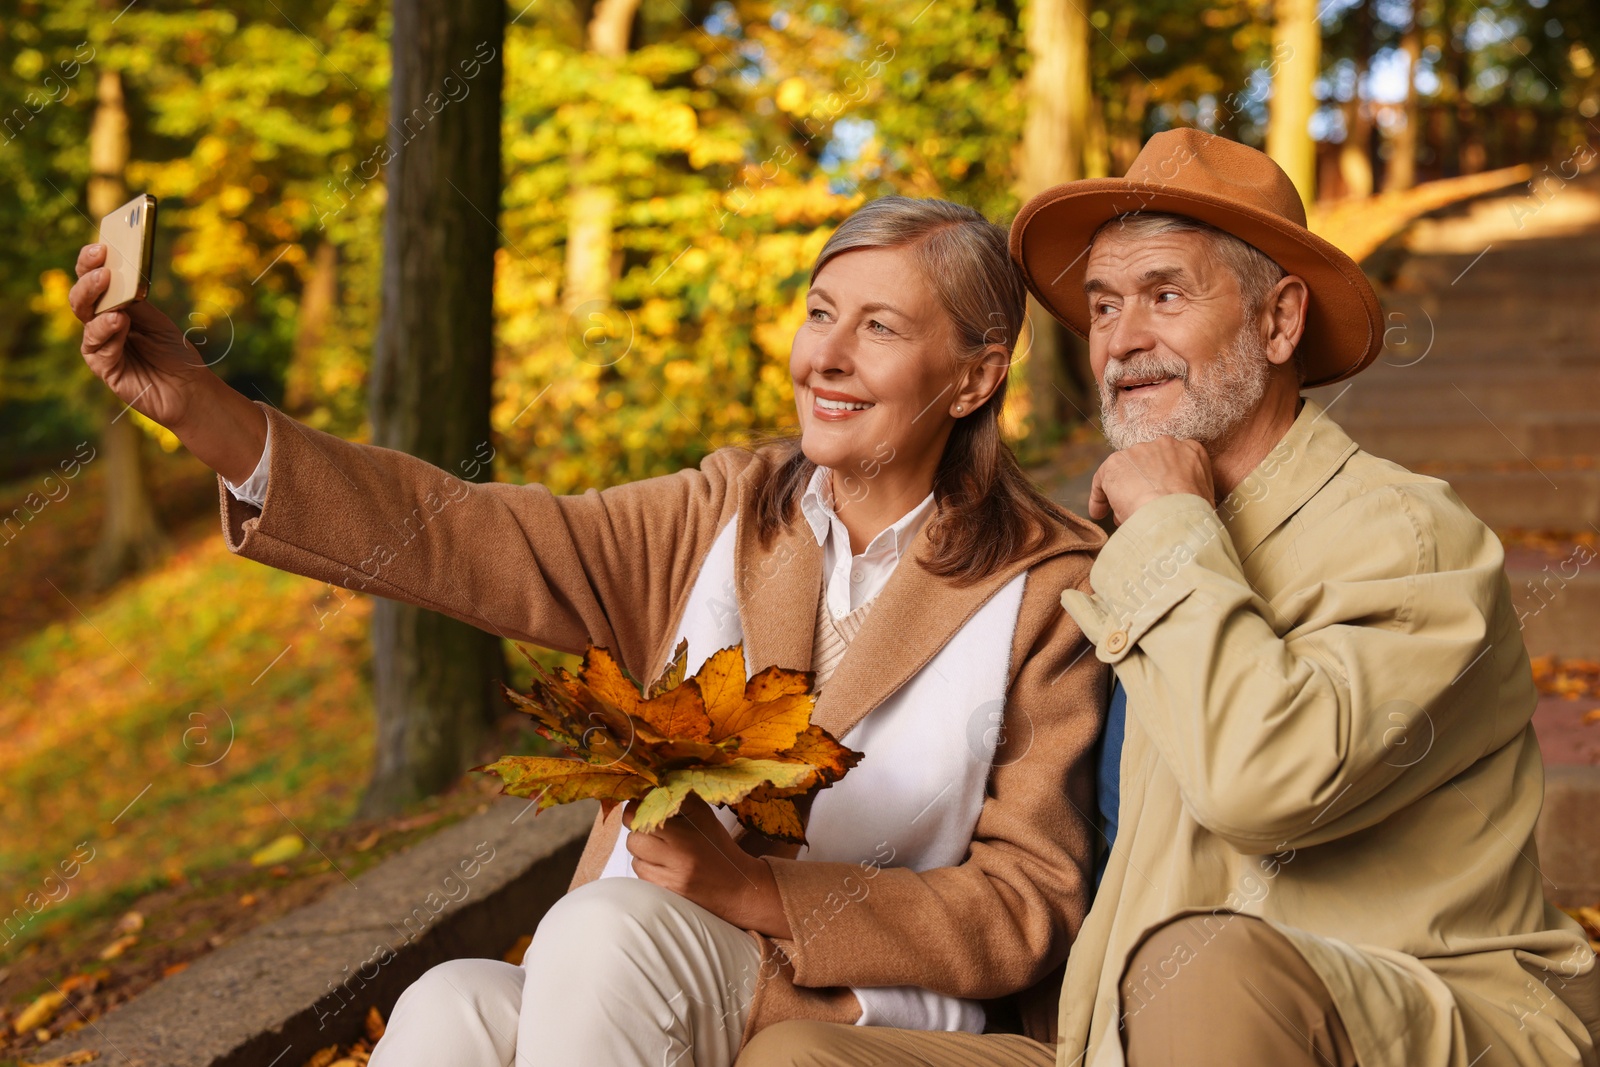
748, 744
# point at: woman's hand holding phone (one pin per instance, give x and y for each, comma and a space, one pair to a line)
147, 362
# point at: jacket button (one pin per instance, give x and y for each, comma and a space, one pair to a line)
1117, 641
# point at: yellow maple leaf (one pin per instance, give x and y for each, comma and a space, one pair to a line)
746, 743
727, 784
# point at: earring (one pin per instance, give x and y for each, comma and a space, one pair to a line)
958, 407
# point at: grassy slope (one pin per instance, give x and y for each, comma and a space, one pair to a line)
125, 699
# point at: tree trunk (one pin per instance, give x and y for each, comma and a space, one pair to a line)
131, 537
1297, 49
1054, 134
1402, 172
318, 301
1355, 160
591, 205
436, 680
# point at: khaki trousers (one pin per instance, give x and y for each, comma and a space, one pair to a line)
1244, 996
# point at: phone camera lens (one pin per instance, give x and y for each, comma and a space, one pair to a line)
135, 218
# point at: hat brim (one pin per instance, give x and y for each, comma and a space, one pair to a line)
1050, 243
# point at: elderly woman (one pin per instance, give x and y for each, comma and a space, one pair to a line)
895, 549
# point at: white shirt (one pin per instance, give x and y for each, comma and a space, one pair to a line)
853, 580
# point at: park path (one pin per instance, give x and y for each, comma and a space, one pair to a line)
1490, 379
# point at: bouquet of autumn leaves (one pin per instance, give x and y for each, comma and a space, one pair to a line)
750, 745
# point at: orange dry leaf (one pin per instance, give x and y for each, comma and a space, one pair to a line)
749, 744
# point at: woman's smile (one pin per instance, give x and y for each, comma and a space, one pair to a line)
831, 406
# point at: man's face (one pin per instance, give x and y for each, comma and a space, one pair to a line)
1169, 341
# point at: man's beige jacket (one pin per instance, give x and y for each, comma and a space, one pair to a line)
616, 568
1328, 726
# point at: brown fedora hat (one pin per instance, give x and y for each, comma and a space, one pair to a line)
1234, 188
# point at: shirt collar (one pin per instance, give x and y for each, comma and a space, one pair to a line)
1297, 467
817, 506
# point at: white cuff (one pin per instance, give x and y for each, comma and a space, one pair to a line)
254, 489
908, 1007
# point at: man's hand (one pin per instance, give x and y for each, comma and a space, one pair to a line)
1130, 479
693, 855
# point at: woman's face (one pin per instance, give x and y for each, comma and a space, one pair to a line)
875, 378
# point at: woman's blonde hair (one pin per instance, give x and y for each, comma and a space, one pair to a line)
988, 511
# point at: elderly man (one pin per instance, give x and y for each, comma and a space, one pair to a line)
1324, 784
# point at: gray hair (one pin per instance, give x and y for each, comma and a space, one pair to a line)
1255, 271
964, 258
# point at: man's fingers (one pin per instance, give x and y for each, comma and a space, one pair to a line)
1099, 505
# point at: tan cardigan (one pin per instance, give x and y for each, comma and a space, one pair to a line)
616, 567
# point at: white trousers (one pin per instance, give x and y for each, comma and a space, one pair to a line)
621, 973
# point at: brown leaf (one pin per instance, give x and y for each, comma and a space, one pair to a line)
678, 713
775, 816
817, 747
717, 734
560, 781
373, 1025
672, 677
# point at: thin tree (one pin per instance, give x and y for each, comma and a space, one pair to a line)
1054, 135
1402, 172
591, 205
1297, 50
1355, 159
131, 537
436, 679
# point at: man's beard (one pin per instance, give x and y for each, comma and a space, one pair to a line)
1215, 402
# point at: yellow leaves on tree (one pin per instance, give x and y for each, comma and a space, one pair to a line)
748, 744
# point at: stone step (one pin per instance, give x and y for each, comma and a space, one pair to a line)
1495, 388
1456, 433
1421, 342
1557, 599
1527, 499
301, 983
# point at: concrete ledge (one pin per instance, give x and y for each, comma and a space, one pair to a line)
306, 980
1569, 846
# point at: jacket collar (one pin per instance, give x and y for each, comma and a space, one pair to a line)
1294, 471
917, 612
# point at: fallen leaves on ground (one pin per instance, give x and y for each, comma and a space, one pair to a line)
747, 743
71, 1059
353, 1055
1573, 679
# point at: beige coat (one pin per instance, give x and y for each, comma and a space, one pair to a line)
616, 567
1328, 727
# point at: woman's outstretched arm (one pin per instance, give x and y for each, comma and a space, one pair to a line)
609, 568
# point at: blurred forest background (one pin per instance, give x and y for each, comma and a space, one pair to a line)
638, 192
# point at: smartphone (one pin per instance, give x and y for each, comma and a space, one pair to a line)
129, 234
